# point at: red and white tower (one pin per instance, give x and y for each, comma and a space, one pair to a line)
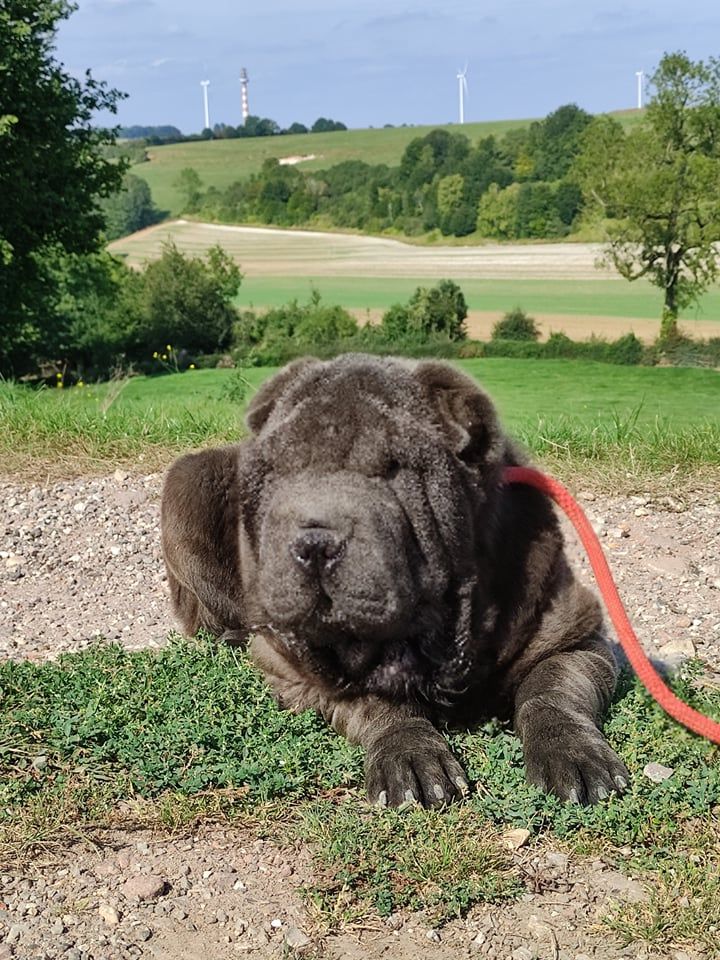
244, 94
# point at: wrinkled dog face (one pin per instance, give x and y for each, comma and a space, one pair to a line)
363, 522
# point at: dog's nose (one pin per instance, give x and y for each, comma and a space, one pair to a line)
317, 548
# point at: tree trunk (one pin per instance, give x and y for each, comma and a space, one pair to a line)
668, 323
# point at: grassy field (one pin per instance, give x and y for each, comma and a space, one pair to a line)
367, 273
622, 423
222, 162
600, 298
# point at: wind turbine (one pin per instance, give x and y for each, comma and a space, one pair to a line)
205, 84
640, 77
462, 90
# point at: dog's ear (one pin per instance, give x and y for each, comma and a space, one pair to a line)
465, 411
261, 405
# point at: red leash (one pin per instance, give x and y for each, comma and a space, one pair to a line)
647, 674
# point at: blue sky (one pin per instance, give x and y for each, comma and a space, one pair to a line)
372, 62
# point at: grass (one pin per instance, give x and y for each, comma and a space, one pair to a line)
222, 162
191, 732
595, 298
625, 423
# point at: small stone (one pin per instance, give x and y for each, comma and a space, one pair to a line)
144, 888
657, 772
522, 953
296, 939
179, 914
557, 861
142, 933
109, 914
478, 941
6, 952
678, 650
239, 885
538, 929
120, 475
514, 839
642, 512
621, 887
40, 762
276, 924
15, 931
433, 936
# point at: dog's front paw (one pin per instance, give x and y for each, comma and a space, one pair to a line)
412, 763
574, 761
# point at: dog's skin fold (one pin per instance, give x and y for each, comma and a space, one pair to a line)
362, 538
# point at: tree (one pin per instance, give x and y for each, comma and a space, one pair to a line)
660, 185
52, 171
190, 186
450, 193
129, 210
323, 125
554, 141
187, 302
431, 311
498, 212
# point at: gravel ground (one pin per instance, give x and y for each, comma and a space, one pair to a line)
80, 559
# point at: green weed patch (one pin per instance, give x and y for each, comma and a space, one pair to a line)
191, 733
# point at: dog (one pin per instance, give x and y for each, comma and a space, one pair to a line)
363, 542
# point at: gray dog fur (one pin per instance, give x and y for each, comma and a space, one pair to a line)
362, 538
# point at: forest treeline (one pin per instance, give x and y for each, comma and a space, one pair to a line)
252, 126
520, 185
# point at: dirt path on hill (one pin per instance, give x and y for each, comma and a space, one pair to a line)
81, 558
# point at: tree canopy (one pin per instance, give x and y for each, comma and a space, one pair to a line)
52, 173
660, 185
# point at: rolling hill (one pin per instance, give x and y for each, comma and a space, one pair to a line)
222, 162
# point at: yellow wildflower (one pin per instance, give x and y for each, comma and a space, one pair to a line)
192, 366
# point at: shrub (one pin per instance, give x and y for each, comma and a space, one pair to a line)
278, 335
431, 311
627, 350
186, 301
515, 325
685, 352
